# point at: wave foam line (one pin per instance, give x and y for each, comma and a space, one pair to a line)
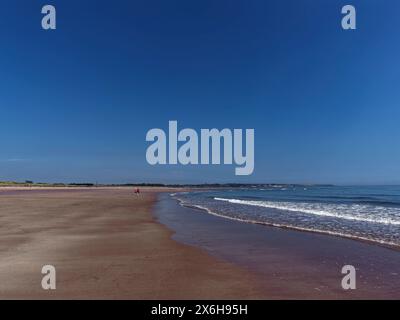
295, 208
282, 226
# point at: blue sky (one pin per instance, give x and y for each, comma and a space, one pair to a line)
76, 103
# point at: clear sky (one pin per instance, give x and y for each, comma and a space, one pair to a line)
76, 103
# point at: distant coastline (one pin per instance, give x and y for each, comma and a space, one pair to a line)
29, 183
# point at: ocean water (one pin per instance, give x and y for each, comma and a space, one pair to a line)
369, 213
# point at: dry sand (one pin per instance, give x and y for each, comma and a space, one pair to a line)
105, 244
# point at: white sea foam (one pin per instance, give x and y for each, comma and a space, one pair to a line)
354, 212
278, 225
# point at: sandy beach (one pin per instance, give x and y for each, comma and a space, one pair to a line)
108, 243
104, 244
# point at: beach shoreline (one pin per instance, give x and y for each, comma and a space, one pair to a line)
105, 244
288, 263
109, 243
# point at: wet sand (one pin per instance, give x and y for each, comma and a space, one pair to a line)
105, 244
288, 264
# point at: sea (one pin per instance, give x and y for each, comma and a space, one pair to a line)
368, 213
